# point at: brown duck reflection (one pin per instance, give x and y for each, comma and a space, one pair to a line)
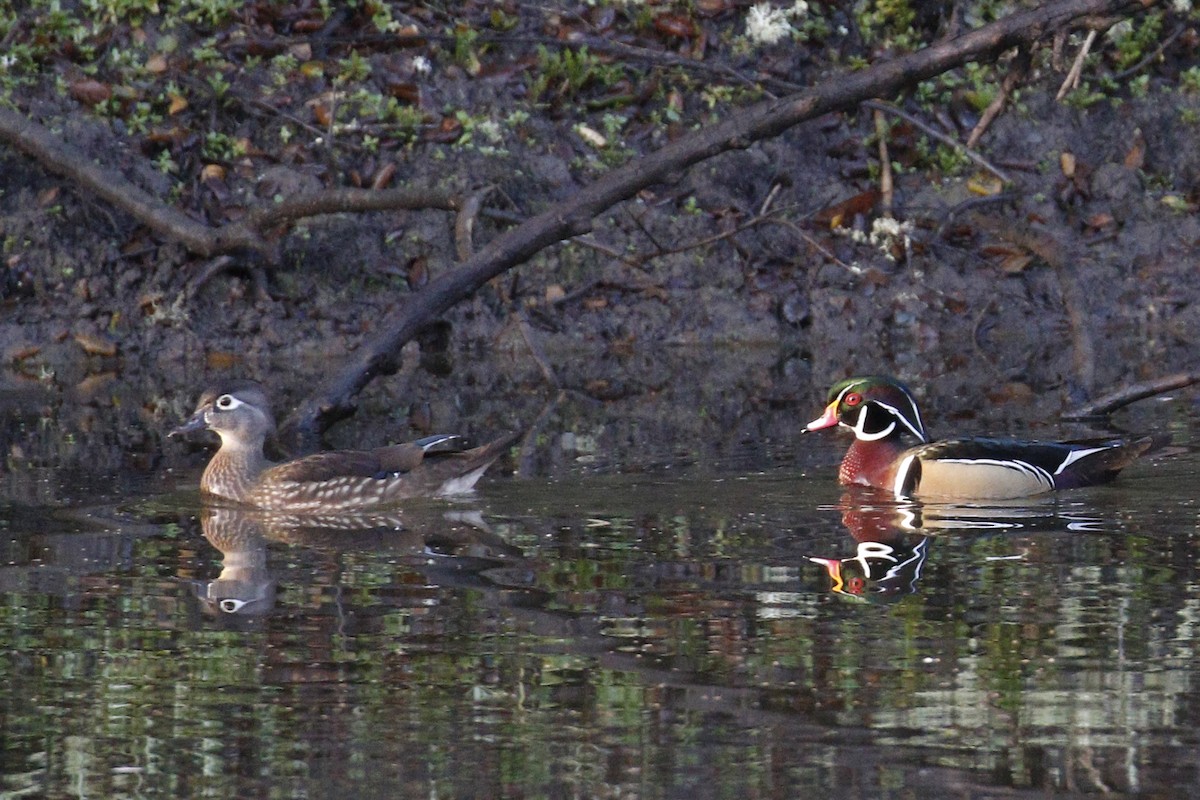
889, 553
426, 538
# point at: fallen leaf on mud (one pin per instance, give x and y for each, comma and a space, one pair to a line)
836, 215
447, 131
876, 277
405, 92
555, 292
1000, 249
1008, 392
96, 345
384, 176
47, 197
1100, 220
212, 172
985, 185
91, 386
178, 103
90, 91
595, 303
1175, 202
418, 272
674, 25
321, 114
22, 352
712, 8
1016, 263
220, 359
591, 136
172, 135
156, 64
1066, 161
1135, 158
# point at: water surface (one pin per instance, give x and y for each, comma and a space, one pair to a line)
691, 629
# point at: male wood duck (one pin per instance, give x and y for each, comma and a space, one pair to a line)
330, 482
892, 451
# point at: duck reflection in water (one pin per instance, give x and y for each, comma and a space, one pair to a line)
892, 537
889, 554
441, 543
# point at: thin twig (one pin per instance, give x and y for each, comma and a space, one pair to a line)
885, 165
1072, 81
464, 223
535, 350
941, 137
1016, 74
1158, 51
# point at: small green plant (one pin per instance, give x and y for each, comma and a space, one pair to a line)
353, 69
1134, 42
1189, 80
565, 73
890, 23
222, 147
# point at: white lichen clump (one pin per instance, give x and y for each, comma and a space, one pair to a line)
766, 24
887, 232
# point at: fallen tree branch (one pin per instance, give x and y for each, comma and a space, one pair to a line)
1122, 397
251, 233
333, 399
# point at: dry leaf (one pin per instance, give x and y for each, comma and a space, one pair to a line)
96, 345
1016, 263
220, 359
555, 292
836, 215
384, 176
674, 25
178, 103
1066, 161
591, 136
1135, 157
156, 64
212, 172
90, 91
322, 115
985, 185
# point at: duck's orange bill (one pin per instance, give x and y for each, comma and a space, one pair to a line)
827, 420
832, 566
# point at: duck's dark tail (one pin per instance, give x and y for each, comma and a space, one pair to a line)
1091, 463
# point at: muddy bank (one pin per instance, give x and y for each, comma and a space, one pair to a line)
704, 314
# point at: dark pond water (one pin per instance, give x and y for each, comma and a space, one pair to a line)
740, 628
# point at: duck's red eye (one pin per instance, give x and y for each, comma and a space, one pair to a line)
852, 399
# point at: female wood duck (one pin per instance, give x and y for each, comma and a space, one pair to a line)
330, 482
892, 451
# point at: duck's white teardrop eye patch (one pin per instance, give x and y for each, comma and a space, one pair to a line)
227, 402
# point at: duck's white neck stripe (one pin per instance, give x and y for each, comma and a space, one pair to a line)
902, 475
860, 432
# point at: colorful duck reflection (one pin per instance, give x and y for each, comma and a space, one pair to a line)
892, 537
888, 559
